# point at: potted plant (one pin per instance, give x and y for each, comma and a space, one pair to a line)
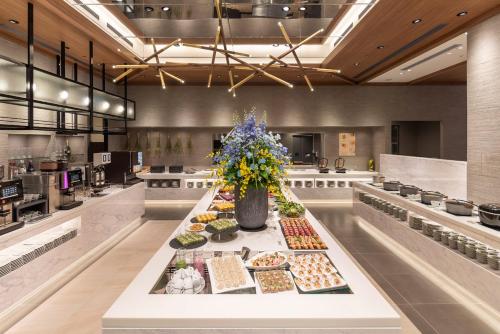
253, 161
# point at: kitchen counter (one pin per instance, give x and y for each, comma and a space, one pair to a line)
468, 225
95, 225
363, 311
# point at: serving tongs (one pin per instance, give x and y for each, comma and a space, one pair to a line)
245, 252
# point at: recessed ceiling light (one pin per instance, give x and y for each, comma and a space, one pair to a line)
119, 50
276, 45
380, 47
462, 13
449, 53
416, 21
302, 8
148, 9
286, 9
165, 8
14, 21
409, 70
401, 73
356, 64
460, 47
219, 76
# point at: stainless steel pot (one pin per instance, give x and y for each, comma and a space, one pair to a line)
459, 207
489, 214
378, 178
406, 190
392, 185
429, 196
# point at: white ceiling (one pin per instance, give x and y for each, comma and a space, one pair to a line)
445, 55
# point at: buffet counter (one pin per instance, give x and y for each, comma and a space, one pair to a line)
33, 259
456, 252
360, 309
307, 183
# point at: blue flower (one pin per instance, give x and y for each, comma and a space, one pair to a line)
262, 161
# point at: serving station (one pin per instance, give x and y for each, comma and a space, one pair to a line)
241, 300
454, 244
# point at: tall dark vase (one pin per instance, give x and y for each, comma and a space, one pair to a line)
251, 210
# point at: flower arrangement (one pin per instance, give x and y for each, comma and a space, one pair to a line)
251, 157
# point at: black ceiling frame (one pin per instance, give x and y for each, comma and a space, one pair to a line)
32, 104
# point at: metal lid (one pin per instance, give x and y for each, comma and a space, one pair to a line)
490, 207
467, 204
409, 186
437, 193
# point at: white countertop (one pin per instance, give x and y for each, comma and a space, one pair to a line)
61, 214
365, 309
468, 225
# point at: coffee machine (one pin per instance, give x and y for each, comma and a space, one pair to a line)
69, 179
124, 166
100, 160
10, 192
45, 184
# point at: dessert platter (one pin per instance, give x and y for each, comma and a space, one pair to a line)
275, 281
185, 281
204, 218
188, 240
315, 273
222, 226
228, 273
267, 261
300, 235
197, 227
221, 206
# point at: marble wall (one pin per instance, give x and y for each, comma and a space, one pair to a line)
483, 111
446, 176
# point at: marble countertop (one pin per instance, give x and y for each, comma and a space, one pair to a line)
292, 173
61, 214
364, 310
468, 225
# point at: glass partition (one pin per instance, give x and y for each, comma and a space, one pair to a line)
108, 104
12, 78
56, 90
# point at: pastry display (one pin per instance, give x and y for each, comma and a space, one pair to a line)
228, 273
222, 225
291, 209
196, 227
297, 227
267, 260
189, 239
299, 234
316, 283
305, 243
310, 264
223, 206
205, 218
185, 281
314, 272
274, 281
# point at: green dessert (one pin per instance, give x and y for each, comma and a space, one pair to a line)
291, 209
189, 239
222, 225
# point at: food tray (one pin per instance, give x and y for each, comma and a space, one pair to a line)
193, 220
249, 281
210, 229
288, 292
341, 285
249, 261
177, 245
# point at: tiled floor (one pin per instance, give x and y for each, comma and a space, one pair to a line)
425, 304
78, 306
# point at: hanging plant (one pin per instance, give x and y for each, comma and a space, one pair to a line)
168, 145
158, 145
189, 144
148, 143
177, 149
138, 145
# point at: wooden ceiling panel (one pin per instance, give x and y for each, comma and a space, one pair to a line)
389, 24
453, 75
